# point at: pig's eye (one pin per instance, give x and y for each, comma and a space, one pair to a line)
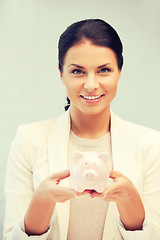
86, 163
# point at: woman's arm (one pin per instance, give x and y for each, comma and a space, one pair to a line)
26, 207
132, 213
128, 201
43, 203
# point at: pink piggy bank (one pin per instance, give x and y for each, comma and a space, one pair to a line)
89, 170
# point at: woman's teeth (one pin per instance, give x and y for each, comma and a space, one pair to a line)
91, 97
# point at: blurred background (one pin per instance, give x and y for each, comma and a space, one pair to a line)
30, 86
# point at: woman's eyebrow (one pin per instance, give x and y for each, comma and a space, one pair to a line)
101, 66
78, 66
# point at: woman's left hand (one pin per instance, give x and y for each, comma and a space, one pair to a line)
120, 191
127, 199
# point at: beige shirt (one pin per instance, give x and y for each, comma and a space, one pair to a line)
87, 215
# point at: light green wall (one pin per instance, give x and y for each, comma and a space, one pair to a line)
30, 88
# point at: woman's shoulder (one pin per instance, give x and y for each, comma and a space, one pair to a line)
43, 125
35, 131
141, 133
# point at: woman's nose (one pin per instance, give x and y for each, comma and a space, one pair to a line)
91, 83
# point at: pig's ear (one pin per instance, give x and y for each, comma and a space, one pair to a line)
77, 155
103, 156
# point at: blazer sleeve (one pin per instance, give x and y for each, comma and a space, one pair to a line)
19, 189
150, 194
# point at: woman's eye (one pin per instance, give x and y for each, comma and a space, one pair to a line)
104, 70
77, 71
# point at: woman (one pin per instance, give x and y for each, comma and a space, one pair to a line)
41, 202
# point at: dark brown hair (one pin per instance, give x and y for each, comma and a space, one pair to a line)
98, 32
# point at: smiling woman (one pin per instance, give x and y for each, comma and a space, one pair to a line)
90, 65
92, 85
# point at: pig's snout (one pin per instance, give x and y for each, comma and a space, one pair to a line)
89, 175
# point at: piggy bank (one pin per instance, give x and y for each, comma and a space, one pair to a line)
89, 170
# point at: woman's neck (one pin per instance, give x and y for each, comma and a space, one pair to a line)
90, 126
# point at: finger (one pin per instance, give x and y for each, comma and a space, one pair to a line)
109, 198
115, 174
63, 191
67, 191
61, 175
85, 192
94, 194
63, 195
66, 199
88, 191
111, 190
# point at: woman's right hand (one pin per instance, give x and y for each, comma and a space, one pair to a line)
50, 188
43, 202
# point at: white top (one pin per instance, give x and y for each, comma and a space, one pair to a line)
87, 215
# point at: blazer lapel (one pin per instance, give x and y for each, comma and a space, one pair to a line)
57, 155
124, 154
125, 151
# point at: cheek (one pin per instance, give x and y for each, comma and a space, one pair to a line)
73, 86
111, 86
71, 90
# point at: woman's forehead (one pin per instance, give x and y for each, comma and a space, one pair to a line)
87, 53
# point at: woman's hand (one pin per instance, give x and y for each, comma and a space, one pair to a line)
43, 203
121, 190
128, 201
50, 188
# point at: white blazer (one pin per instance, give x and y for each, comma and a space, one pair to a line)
40, 149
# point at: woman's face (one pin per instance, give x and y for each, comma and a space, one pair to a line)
90, 75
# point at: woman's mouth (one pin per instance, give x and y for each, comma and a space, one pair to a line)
92, 98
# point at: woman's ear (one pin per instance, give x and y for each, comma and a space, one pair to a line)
61, 75
120, 71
